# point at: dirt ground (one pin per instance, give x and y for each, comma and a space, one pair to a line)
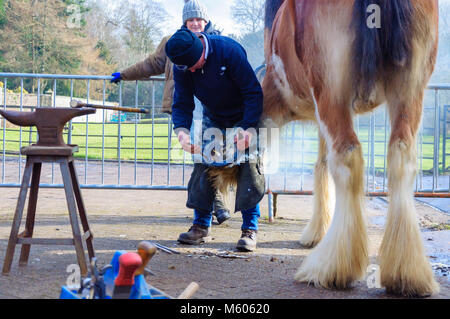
120, 219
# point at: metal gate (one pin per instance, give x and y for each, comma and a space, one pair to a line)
120, 151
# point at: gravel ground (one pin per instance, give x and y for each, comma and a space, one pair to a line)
120, 219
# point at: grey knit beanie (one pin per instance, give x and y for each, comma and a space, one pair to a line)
194, 9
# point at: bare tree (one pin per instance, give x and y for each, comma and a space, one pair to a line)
142, 26
129, 29
444, 19
248, 14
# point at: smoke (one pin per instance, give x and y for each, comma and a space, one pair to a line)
290, 155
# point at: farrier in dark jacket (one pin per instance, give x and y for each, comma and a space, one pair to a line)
231, 96
215, 70
226, 86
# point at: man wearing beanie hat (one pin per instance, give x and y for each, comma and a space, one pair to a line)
215, 70
194, 9
195, 18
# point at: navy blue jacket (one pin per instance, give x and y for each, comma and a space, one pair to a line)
227, 87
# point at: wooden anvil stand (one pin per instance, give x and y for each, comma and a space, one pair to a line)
50, 148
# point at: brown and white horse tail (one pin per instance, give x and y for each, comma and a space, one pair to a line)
383, 47
223, 178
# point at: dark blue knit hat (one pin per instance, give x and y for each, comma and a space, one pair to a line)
184, 48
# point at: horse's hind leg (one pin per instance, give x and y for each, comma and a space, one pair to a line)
318, 225
341, 256
404, 266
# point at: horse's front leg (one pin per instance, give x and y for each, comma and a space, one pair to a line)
341, 257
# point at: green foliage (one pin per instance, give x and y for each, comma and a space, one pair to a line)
2, 13
105, 52
2, 60
53, 37
37, 38
82, 9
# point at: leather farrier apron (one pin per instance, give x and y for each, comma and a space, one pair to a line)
250, 178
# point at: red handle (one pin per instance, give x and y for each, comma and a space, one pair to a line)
129, 262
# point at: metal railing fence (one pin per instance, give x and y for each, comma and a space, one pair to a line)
143, 153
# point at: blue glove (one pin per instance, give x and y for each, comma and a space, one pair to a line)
117, 77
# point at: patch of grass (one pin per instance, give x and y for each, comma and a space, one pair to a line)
136, 141
442, 226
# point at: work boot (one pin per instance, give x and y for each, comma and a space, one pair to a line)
197, 234
219, 209
222, 215
247, 241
